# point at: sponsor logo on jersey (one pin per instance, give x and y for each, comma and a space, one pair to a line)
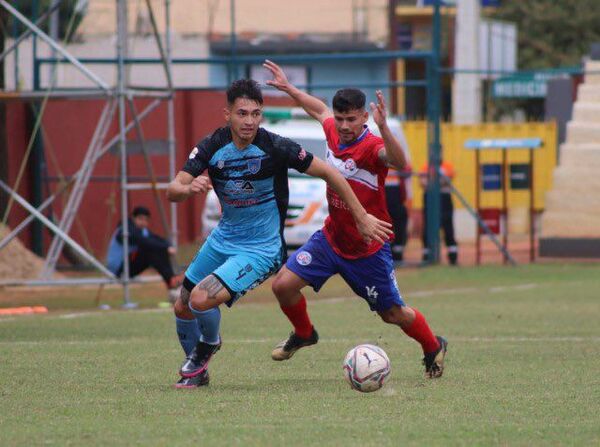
254, 165
304, 258
239, 187
193, 153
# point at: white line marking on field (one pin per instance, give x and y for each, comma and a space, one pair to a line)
244, 341
517, 287
338, 299
435, 292
526, 339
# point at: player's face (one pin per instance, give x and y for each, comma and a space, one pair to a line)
350, 124
244, 117
141, 221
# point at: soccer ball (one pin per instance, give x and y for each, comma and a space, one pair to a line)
366, 367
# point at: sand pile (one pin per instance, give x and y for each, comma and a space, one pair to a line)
16, 261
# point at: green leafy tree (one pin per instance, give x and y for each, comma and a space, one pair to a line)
70, 14
552, 33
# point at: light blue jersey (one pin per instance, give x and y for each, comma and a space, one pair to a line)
250, 218
252, 186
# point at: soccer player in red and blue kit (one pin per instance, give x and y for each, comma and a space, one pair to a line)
366, 266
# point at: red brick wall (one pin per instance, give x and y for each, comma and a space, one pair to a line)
68, 126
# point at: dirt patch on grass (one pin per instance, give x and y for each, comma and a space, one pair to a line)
16, 261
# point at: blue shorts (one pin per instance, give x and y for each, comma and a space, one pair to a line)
371, 278
238, 273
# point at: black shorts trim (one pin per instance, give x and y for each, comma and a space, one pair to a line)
234, 295
187, 284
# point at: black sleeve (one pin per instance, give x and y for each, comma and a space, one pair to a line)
134, 233
200, 155
291, 153
139, 239
153, 241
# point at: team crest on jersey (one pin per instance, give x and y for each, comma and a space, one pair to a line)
350, 165
301, 154
221, 164
254, 165
304, 258
193, 153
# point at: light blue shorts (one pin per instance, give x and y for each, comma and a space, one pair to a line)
238, 273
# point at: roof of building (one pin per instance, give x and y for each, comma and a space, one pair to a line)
284, 44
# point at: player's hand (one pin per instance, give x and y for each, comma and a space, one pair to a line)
200, 185
371, 228
379, 111
280, 80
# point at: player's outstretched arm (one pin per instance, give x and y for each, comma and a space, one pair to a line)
392, 152
368, 225
312, 105
184, 185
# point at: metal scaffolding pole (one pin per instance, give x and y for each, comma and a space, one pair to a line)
149, 168
121, 87
55, 46
123, 94
78, 190
29, 32
78, 248
171, 118
9, 237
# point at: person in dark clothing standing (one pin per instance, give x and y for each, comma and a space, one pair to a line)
446, 209
397, 193
146, 250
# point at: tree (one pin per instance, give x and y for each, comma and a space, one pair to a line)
552, 33
69, 10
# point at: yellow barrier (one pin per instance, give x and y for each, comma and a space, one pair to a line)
453, 150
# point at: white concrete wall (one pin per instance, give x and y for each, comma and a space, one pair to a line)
105, 47
252, 16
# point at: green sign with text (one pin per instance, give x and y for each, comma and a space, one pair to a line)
530, 85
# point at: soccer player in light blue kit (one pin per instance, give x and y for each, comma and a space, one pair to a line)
248, 167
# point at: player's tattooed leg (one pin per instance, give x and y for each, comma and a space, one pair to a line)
212, 286
184, 296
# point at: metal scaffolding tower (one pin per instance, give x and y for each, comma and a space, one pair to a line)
119, 98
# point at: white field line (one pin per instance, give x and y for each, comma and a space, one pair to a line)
123, 341
435, 292
339, 299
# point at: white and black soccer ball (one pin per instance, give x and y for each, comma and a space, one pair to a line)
366, 368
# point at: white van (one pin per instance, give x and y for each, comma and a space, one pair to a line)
307, 208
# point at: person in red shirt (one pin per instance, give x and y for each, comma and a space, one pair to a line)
366, 265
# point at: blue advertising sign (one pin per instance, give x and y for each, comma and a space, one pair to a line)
484, 3
491, 177
503, 143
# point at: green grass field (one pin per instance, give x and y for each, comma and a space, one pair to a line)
523, 369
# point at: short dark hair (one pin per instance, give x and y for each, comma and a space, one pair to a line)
244, 88
140, 211
348, 99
